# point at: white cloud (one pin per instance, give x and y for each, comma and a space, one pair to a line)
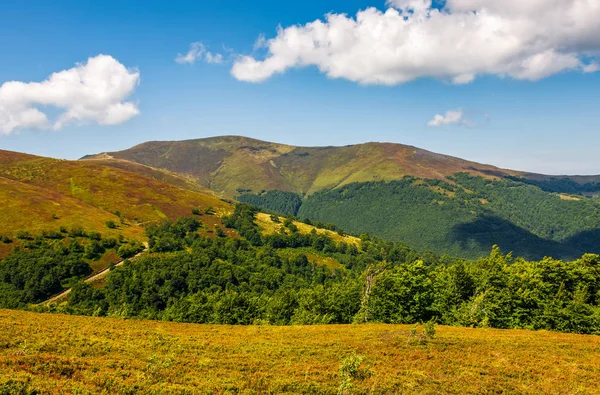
90, 92
198, 52
591, 68
452, 117
522, 39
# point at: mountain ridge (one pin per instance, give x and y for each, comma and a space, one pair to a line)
403, 193
231, 163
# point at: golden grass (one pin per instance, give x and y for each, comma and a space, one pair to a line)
34, 209
68, 354
267, 227
45, 194
569, 197
314, 258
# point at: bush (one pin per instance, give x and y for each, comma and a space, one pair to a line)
77, 232
111, 242
350, 369
111, 225
429, 329
129, 250
24, 235
196, 211
52, 234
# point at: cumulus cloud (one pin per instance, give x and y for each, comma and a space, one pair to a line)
527, 40
92, 92
198, 52
452, 117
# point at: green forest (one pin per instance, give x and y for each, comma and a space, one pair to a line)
286, 203
53, 261
187, 277
561, 185
463, 216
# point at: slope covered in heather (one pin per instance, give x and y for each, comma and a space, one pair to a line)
43, 194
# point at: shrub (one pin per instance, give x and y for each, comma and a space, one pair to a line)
429, 329
111, 242
111, 225
51, 234
350, 369
24, 235
77, 232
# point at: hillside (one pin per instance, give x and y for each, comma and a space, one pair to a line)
290, 276
47, 353
230, 163
430, 201
44, 194
464, 218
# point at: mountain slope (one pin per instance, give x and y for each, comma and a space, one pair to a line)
465, 218
356, 187
230, 163
46, 194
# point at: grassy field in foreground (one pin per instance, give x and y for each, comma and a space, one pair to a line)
68, 354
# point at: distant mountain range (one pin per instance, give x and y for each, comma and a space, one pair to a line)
402, 193
228, 164
428, 200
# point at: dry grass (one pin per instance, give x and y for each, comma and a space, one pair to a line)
569, 197
68, 354
34, 209
45, 194
267, 227
314, 258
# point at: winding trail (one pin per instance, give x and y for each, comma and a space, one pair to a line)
98, 276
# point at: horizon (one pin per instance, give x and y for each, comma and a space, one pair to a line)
122, 76
83, 157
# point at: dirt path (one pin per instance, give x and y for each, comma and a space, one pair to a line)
98, 276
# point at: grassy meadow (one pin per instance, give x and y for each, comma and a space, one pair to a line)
44, 194
51, 353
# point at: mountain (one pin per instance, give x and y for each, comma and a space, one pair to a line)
230, 164
43, 194
214, 263
428, 200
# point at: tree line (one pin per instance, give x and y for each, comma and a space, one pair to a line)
228, 280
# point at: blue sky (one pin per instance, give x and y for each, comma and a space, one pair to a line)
508, 118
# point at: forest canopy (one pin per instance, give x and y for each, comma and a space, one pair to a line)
275, 279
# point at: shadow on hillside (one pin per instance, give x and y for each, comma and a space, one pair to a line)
587, 241
489, 230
